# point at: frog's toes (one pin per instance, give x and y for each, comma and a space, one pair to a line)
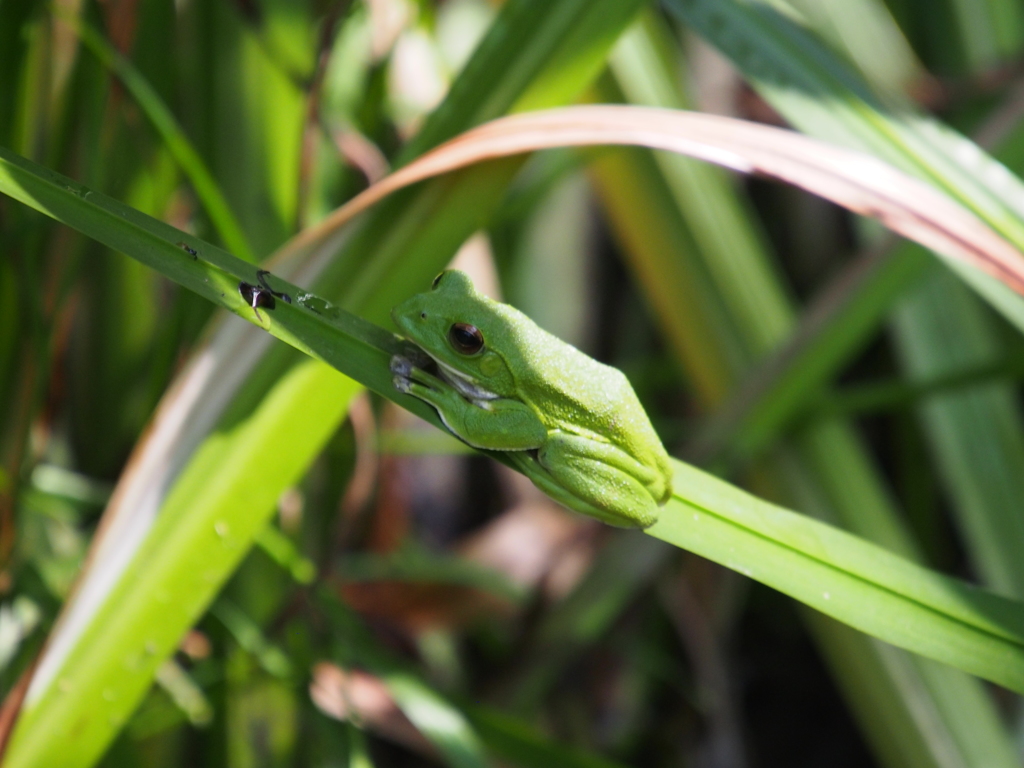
401, 367
402, 384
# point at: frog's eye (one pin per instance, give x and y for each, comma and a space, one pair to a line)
466, 338
437, 280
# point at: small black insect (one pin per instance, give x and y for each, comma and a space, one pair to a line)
257, 296
261, 295
188, 249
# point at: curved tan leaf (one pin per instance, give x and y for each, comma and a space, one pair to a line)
854, 180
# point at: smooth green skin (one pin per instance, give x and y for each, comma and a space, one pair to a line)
571, 424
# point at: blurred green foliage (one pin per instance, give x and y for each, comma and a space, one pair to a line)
418, 606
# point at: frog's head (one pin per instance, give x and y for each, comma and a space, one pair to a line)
462, 330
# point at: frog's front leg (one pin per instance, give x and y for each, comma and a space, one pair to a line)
492, 423
598, 479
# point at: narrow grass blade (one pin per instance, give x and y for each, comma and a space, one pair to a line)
880, 593
869, 33
436, 719
975, 432
205, 186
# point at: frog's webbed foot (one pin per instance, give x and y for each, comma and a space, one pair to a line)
408, 374
412, 364
404, 373
403, 369
401, 366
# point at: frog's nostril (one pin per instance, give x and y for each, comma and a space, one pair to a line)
423, 315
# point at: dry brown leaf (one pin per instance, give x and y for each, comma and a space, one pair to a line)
365, 700
536, 544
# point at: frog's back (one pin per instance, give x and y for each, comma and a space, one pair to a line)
578, 391
572, 392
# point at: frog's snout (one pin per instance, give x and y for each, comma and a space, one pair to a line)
405, 318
